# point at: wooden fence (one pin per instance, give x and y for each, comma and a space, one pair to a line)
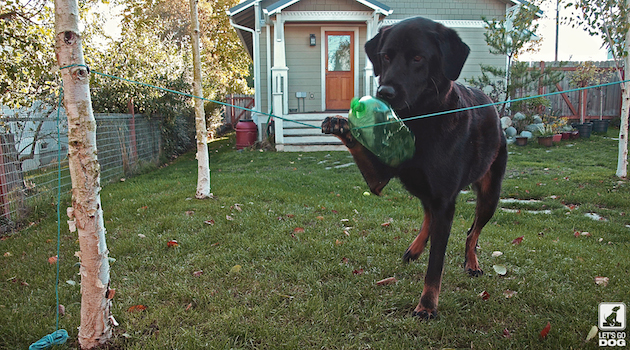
234, 114
580, 105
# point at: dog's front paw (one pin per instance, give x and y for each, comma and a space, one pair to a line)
425, 314
339, 127
336, 125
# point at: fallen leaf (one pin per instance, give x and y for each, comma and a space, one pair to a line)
71, 282
587, 234
141, 235
320, 218
592, 333
111, 293
496, 254
209, 222
298, 230
62, 310
500, 269
387, 281
484, 295
506, 333
236, 269
237, 207
52, 260
545, 331
518, 240
602, 281
188, 307
509, 293
386, 224
229, 218
344, 261
7, 254
198, 273
290, 216
172, 243
136, 308
357, 272
190, 213
338, 242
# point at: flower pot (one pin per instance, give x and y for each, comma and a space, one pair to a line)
584, 129
557, 138
566, 135
521, 141
574, 135
546, 141
600, 126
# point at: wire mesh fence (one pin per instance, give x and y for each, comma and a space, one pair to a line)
34, 163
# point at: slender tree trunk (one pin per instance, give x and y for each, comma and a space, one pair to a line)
203, 159
86, 214
622, 160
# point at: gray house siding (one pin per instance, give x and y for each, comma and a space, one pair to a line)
304, 64
479, 53
447, 9
327, 5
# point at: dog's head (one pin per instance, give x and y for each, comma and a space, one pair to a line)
416, 59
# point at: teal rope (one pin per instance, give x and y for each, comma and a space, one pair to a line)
56, 338
365, 126
60, 335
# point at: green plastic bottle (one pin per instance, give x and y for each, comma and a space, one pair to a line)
390, 139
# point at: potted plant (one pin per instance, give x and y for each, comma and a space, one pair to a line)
545, 135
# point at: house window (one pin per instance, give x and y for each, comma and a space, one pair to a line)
339, 53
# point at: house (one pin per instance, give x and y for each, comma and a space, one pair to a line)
309, 60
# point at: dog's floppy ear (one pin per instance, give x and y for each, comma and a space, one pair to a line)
372, 47
454, 52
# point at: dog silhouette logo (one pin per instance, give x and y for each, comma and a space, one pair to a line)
612, 316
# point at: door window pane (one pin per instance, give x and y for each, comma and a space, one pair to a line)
339, 53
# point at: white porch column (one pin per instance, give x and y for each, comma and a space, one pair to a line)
280, 71
370, 83
279, 80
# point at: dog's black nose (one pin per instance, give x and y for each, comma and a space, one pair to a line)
386, 92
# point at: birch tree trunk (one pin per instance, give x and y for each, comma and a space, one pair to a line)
203, 159
622, 160
86, 214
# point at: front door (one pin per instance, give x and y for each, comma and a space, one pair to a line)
339, 70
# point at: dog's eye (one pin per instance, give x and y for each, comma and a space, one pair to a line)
386, 58
417, 58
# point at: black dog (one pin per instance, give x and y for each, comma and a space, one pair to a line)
418, 61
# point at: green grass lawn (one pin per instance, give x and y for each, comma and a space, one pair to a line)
288, 254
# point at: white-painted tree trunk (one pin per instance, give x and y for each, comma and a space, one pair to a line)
203, 159
622, 160
86, 214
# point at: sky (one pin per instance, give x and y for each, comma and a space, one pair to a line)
575, 44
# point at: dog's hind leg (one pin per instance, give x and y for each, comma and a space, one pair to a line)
417, 246
488, 190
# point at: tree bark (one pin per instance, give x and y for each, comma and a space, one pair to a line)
203, 159
622, 160
86, 214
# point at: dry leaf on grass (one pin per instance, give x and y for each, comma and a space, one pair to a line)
172, 243
602, 281
484, 295
387, 281
136, 308
545, 331
518, 240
